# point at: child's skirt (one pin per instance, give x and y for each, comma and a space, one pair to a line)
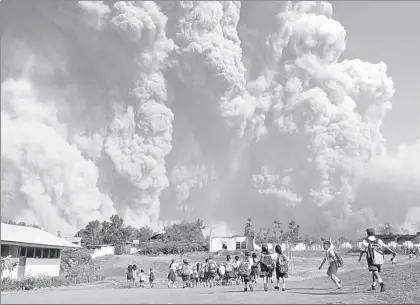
332, 269
172, 276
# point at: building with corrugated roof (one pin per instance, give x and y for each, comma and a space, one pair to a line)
37, 252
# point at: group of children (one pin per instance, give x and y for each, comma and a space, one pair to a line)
135, 276
232, 271
251, 268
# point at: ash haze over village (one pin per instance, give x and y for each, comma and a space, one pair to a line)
160, 111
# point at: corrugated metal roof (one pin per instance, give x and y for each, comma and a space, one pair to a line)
35, 236
73, 239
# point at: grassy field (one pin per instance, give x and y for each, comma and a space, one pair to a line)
308, 286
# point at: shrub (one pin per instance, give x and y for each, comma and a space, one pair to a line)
30, 283
77, 266
170, 247
8, 264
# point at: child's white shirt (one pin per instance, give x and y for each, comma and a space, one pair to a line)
330, 255
365, 243
142, 276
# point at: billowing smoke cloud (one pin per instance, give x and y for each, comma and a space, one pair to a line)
94, 103
246, 105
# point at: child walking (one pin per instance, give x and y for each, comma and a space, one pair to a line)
282, 268
373, 247
151, 277
186, 274
142, 278
173, 267
333, 266
266, 265
244, 271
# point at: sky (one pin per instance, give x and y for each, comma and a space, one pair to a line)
165, 111
388, 31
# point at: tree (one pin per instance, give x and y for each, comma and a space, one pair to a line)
292, 234
385, 229
143, 233
248, 228
277, 225
91, 234
342, 240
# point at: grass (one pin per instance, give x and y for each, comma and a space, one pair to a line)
402, 283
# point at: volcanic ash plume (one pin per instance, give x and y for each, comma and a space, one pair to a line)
114, 122
326, 115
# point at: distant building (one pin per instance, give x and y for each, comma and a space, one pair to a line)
36, 251
101, 250
74, 240
232, 243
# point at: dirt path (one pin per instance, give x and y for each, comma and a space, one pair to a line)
314, 291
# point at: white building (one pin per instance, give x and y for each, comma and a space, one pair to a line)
101, 250
231, 243
36, 251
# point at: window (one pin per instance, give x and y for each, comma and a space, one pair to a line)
46, 253
38, 252
22, 251
243, 245
30, 252
57, 253
224, 245
5, 249
52, 253
238, 245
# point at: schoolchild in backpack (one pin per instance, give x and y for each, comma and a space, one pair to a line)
330, 256
244, 271
267, 266
185, 273
236, 264
282, 268
230, 273
130, 275
373, 248
212, 271
255, 268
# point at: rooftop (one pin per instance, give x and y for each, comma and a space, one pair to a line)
32, 236
73, 239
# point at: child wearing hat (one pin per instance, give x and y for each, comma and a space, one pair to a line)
373, 247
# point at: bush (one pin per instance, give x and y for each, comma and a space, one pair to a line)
30, 283
77, 266
171, 247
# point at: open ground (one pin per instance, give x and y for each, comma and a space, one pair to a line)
307, 286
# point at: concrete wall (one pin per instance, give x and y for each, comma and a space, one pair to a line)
42, 266
108, 250
217, 243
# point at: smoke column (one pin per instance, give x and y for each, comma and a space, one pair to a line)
226, 109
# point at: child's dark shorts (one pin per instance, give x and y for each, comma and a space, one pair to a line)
246, 279
185, 278
373, 267
281, 275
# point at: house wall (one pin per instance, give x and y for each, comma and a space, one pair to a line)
217, 243
42, 267
108, 250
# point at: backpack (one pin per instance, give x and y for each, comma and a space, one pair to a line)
267, 262
244, 268
338, 260
212, 267
282, 265
152, 276
202, 272
229, 267
186, 270
222, 270
375, 253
